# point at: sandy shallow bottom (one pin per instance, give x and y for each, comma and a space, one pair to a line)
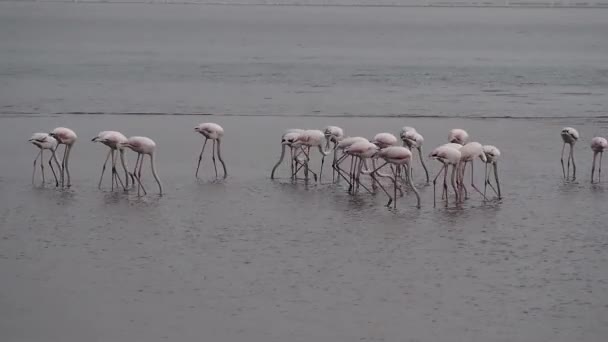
259, 260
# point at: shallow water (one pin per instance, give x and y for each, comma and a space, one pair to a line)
252, 259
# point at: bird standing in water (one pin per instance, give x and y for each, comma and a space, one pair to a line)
214, 132
113, 139
598, 145
143, 145
45, 142
569, 136
66, 137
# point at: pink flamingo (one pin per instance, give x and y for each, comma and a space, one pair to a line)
113, 139
333, 134
66, 137
311, 138
287, 139
143, 145
413, 140
468, 153
598, 145
458, 136
492, 154
569, 136
214, 132
361, 151
344, 144
447, 154
45, 142
397, 156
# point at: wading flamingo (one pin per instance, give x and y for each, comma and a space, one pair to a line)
468, 154
492, 154
598, 145
397, 156
66, 137
413, 140
333, 134
569, 136
214, 132
458, 136
143, 145
112, 139
311, 138
287, 139
45, 142
447, 154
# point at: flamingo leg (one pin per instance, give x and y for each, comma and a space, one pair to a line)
473, 183
569, 157
435, 185
213, 158
34, 171
42, 165
113, 169
141, 163
219, 156
65, 152
599, 173
453, 180
67, 166
445, 184
486, 180
593, 166
409, 168
103, 168
426, 171
200, 157
562, 160
374, 179
394, 187
51, 165
490, 183
496, 178
573, 161
116, 176
54, 156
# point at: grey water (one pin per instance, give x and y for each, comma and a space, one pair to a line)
249, 258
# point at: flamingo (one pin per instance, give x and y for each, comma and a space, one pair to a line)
112, 139
447, 154
412, 139
287, 139
384, 140
361, 151
468, 153
311, 138
343, 145
397, 156
492, 154
458, 136
570, 137
143, 145
333, 134
66, 137
214, 132
45, 142
598, 145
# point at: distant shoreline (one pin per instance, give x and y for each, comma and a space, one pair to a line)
429, 4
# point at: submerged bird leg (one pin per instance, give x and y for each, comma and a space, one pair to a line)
569, 157
42, 165
599, 173
593, 166
434, 185
408, 167
213, 157
219, 156
375, 180
200, 157
34, 171
453, 180
573, 161
426, 171
562, 160
115, 172
496, 178
52, 170
473, 183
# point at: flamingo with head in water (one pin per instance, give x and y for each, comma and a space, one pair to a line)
143, 146
598, 146
113, 139
569, 136
45, 142
214, 132
66, 137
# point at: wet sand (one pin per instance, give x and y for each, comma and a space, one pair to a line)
259, 260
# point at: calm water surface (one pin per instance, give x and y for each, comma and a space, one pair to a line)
259, 260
